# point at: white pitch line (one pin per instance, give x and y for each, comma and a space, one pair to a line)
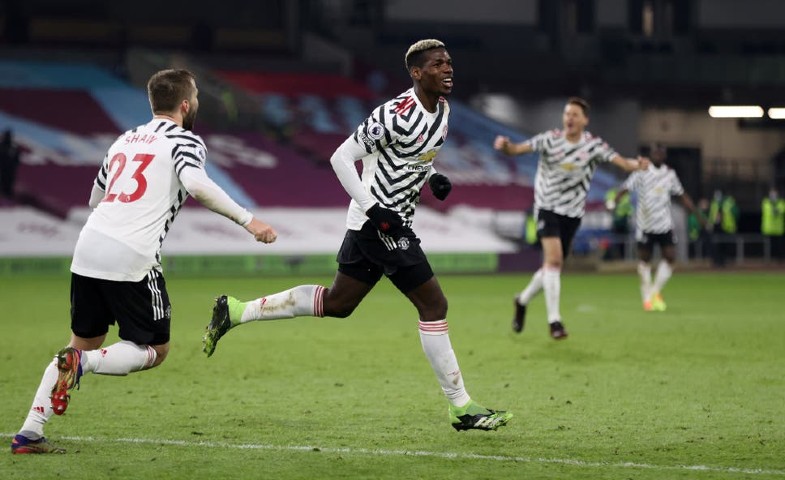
424, 453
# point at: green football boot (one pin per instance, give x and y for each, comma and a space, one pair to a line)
475, 416
227, 312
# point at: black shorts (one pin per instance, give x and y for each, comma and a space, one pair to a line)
366, 255
551, 224
648, 240
141, 309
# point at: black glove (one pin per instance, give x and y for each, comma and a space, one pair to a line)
440, 185
385, 220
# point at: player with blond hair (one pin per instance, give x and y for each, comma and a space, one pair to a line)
397, 145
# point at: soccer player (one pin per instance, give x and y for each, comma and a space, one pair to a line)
116, 276
654, 223
567, 162
397, 144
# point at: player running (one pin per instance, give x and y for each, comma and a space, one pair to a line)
397, 145
116, 273
654, 223
568, 159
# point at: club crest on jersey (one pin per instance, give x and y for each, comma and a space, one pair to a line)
403, 243
568, 166
376, 130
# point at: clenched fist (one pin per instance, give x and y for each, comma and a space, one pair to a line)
261, 231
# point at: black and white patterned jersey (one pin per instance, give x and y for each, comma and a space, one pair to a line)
401, 139
654, 186
565, 170
122, 237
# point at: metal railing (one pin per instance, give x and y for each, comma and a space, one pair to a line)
739, 248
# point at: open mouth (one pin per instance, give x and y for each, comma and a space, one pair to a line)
447, 82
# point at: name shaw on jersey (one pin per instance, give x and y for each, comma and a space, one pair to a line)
137, 138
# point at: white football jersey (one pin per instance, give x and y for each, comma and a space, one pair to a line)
565, 170
122, 238
654, 186
401, 139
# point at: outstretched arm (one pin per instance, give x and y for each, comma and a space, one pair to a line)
209, 194
630, 164
504, 145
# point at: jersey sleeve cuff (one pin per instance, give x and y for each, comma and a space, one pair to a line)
245, 218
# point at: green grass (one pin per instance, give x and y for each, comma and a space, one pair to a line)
694, 392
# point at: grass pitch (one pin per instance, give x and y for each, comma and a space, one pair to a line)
694, 392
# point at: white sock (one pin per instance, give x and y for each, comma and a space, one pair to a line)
664, 272
644, 271
436, 345
532, 289
551, 284
41, 410
305, 300
120, 358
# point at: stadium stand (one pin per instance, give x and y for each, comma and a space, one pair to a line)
283, 83
310, 114
315, 113
63, 148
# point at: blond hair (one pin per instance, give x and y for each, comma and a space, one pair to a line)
413, 57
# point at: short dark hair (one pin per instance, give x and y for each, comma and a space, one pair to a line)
415, 55
581, 103
167, 88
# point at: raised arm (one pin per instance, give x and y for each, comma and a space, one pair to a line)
504, 145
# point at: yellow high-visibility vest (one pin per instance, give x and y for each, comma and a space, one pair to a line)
772, 219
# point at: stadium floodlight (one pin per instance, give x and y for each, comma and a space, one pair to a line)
777, 113
736, 111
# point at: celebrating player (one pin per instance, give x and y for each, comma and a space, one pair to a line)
397, 145
116, 276
654, 225
567, 162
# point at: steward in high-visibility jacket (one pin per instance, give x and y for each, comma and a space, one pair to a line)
620, 206
724, 213
772, 219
